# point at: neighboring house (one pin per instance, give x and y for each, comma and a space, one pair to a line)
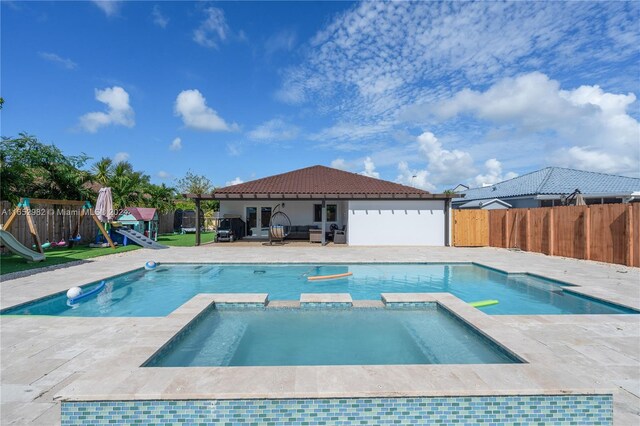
372, 211
547, 187
494, 204
460, 188
141, 219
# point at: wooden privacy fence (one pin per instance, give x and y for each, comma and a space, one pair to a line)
165, 223
603, 232
55, 223
470, 228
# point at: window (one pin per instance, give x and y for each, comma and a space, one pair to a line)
332, 213
265, 216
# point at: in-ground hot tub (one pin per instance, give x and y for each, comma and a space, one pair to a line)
356, 336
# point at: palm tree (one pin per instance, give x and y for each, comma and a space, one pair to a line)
123, 168
125, 191
103, 171
160, 196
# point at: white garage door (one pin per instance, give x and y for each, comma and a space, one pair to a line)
402, 222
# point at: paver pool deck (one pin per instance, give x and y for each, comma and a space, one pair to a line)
43, 359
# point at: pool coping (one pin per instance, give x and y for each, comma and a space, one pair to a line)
128, 380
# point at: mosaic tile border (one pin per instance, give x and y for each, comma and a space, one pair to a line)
221, 306
581, 410
411, 305
325, 305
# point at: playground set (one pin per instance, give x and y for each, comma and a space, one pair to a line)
104, 237
24, 209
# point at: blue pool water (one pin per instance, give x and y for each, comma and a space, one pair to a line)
159, 292
272, 337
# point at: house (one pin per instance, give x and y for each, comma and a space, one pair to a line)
494, 204
460, 188
371, 211
548, 187
141, 219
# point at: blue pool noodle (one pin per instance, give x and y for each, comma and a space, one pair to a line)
87, 294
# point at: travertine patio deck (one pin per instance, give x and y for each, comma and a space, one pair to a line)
43, 356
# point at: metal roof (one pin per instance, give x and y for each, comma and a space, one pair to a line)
483, 203
555, 181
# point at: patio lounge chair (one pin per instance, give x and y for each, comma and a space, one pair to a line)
340, 235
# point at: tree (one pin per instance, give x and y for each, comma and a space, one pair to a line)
160, 197
33, 169
192, 183
103, 171
127, 185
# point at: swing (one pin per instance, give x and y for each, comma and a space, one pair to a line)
78, 237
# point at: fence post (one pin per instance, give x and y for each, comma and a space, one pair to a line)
453, 227
552, 234
586, 222
505, 229
527, 229
629, 237
197, 200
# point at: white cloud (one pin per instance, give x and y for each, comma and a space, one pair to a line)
158, 18
274, 130
109, 7
56, 59
367, 163
370, 169
378, 57
121, 156
234, 149
235, 181
119, 112
414, 177
192, 107
340, 163
284, 40
493, 173
164, 175
176, 144
213, 29
445, 166
349, 137
590, 128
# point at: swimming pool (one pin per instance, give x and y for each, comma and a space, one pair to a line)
159, 292
278, 337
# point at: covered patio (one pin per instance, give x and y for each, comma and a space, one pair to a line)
319, 201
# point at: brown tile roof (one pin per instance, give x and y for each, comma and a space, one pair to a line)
321, 181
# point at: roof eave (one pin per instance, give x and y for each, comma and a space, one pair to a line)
280, 196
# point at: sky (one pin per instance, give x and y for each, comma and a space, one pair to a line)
428, 94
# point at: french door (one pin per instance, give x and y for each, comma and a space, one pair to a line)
258, 224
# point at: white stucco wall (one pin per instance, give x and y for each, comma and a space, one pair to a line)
397, 222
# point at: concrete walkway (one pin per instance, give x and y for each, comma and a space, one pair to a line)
42, 356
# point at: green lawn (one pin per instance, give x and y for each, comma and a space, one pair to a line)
185, 240
11, 263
